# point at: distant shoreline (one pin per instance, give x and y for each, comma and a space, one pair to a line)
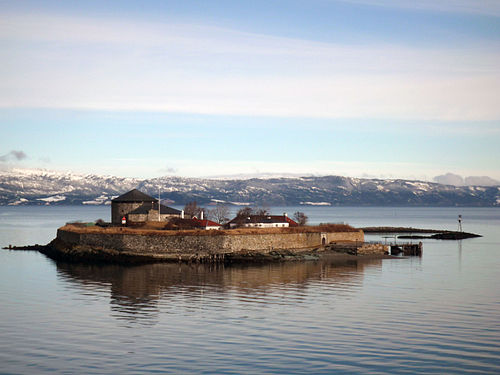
320, 191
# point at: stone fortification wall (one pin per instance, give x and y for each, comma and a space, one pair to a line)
270, 242
207, 245
358, 236
120, 209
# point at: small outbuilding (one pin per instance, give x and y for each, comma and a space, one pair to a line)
137, 206
205, 224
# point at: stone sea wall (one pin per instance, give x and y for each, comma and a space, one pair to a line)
373, 249
206, 245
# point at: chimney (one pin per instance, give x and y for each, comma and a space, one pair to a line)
182, 214
201, 215
284, 214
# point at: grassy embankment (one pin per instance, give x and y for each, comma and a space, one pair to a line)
155, 228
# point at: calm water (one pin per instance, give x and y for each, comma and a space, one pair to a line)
435, 314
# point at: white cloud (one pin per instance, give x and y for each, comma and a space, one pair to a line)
60, 62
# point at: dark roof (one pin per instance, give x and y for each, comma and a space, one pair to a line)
144, 209
135, 196
255, 219
166, 209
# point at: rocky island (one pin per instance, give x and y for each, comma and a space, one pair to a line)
143, 230
147, 244
409, 233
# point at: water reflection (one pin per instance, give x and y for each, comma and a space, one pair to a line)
460, 254
138, 293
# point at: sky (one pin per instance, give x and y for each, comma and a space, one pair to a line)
380, 88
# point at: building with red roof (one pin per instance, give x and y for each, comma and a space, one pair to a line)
205, 224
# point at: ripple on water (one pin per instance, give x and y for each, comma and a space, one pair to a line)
313, 317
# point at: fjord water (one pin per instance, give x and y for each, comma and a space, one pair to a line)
436, 314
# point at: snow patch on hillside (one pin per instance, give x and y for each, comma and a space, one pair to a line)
18, 202
55, 198
419, 185
102, 199
316, 203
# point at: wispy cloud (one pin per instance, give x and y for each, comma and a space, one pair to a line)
486, 7
130, 65
168, 170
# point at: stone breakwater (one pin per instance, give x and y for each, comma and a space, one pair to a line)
359, 248
77, 244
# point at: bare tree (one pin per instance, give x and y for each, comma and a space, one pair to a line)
192, 209
244, 212
219, 214
300, 218
261, 211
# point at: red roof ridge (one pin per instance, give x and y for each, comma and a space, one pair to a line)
206, 223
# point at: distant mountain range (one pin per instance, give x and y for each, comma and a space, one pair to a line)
41, 187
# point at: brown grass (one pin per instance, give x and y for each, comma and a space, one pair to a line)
155, 228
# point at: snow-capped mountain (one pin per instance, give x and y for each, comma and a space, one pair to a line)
38, 187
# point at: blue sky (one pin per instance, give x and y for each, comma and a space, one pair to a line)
380, 88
